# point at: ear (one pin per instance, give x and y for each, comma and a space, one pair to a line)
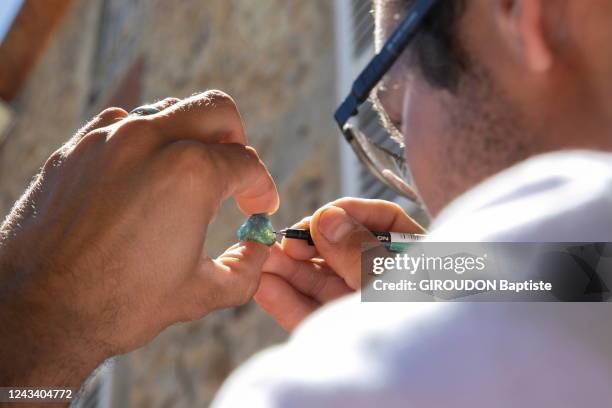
523, 26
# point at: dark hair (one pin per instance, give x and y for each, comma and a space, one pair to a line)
437, 50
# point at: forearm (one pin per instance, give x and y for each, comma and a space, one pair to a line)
35, 349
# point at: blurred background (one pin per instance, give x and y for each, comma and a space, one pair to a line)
287, 63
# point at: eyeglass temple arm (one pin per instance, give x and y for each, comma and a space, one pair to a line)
382, 62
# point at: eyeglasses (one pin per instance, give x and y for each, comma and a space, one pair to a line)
387, 166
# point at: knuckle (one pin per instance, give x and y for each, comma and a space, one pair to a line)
250, 153
395, 207
82, 146
398, 210
219, 100
319, 211
133, 132
112, 113
170, 100
217, 96
136, 125
56, 159
89, 141
344, 201
250, 158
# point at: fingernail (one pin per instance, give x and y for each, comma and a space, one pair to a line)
335, 224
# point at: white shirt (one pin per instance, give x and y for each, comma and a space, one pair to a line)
353, 354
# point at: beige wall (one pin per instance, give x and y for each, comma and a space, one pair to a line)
276, 58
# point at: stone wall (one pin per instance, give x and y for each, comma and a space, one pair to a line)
275, 57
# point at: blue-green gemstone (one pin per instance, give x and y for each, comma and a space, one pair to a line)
258, 228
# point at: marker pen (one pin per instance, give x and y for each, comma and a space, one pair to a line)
397, 241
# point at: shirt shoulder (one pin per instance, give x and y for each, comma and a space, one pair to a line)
354, 354
556, 197
339, 357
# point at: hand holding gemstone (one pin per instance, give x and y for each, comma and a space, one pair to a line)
257, 228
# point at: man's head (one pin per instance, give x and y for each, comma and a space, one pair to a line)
488, 83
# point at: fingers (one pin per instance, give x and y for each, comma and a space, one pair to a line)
283, 302
230, 280
113, 115
340, 229
293, 284
310, 278
214, 172
105, 118
237, 171
375, 215
298, 249
379, 215
209, 117
339, 238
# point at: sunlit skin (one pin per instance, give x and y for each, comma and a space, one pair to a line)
539, 80
105, 249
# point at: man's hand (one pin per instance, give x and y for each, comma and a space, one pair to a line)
298, 278
105, 249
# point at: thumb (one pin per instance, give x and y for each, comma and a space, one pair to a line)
230, 280
339, 238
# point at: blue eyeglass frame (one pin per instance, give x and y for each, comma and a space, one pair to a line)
367, 80
382, 62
